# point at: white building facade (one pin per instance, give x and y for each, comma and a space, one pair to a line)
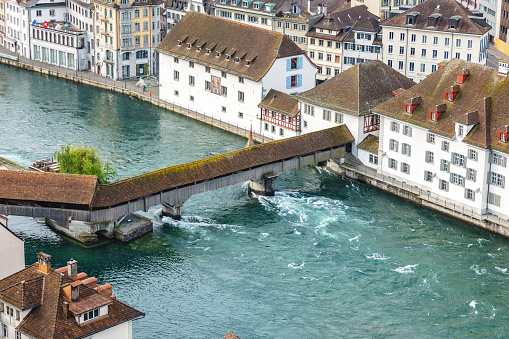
12, 250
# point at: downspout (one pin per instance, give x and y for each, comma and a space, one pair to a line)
489, 181
406, 52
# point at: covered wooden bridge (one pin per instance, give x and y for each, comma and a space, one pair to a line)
63, 197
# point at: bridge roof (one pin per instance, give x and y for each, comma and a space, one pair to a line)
47, 187
172, 177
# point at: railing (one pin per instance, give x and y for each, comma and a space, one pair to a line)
428, 196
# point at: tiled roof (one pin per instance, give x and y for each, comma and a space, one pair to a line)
368, 25
256, 48
196, 171
370, 144
447, 9
230, 336
280, 102
358, 89
46, 320
47, 187
484, 92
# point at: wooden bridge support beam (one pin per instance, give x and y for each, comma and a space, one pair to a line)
172, 211
267, 186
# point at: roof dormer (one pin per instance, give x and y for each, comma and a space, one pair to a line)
436, 112
411, 104
465, 72
451, 92
503, 134
503, 66
433, 20
454, 21
411, 18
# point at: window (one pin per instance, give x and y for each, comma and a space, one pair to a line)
38, 13
412, 51
407, 130
223, 109
401, 50
458, 43
443, 185
329, 57
241, 80
326, 115
312, 55
393, 145
51, 12
458, 159
469, 57
389, 62
224, 91
435, 40
176, 75
405, 149
191, 80
405, 168
320, 42
471, 174
191, 64
413, 38
497, 179
428, 176
430, 157
308, 109
401, 36
469, 43
457, 179
423, 53
390, 49
273, 129
434, 54
293, 81
494, 199
223, 74
5, 332
373, 159
241, 96
266, 126
424, 39
472, 154
241, 115
391, 35
460, 128
338, 118
469, 194
191, 98
207, 69
445, 146
446, 41
395, 127
423, 68
498, 159
400, 65
320, 56
446, 55
311, 41
176, 93
457, 55
393, 164
430, 138
444, 165
281, 133
87, 316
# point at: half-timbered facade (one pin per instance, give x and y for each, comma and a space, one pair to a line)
280, 116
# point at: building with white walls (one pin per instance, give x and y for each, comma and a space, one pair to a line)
224, 69
363, 43
45, 303
449, 135
81, 15
416, 41
349, 98
279, 115
12, 250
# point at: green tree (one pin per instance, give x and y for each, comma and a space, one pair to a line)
83, 160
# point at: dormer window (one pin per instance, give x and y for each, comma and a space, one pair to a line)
198, 49
454, 22
179, 43
188, 46
218, 54
91, 315
451, 92
462, 76
411, 104
237, 59
256, 6
503, 135
436, 112
245, 4
227, 57
248, 63
208, 51
411, 18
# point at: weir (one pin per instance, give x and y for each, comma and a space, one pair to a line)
69, 197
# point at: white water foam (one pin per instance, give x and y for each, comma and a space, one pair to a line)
477, 270
376, 256
295, 266
406, 269
503, 270
356, 238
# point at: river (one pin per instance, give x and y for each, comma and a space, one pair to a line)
326, 257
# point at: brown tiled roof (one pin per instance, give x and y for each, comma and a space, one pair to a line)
358, 89
47, 187
368, 25
257, 46
484, 92
337, 6
447, 9
46, 320
280, 102
370, 144
196, 171
230, 336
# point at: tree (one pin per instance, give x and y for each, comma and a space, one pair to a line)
83, 160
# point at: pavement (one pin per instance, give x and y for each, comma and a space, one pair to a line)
494, 55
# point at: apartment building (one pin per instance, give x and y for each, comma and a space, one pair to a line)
14, 20
485, 8
81, 15
223, 68
325, 39
279, 115
176, 9
502, 25
416, 41
363, 43
449, 135
11, 247
349, 98
127, 33
2, 22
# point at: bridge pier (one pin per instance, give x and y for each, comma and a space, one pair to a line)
172, 211
266, 187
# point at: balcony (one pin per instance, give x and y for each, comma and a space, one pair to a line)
104, 31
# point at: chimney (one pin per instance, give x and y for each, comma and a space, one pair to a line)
309, 6
72, 268
67, 313
75, 290
324, 9
503, 66
44, 262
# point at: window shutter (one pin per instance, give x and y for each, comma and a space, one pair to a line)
409, 150
504, 161
288, 81
288, 65
488, 181
301, 62
299, 80
503, 181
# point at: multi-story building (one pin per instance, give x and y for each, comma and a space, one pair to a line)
502, 25
41, 302
325, 39
279, 115
11, 247
416, 41
176, 9
2, 22
363, 43
59, 44
81, 14
127, 33
14, 16
225, 69
485, 8
449, 136
349, 98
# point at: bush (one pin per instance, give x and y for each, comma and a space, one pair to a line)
83, 160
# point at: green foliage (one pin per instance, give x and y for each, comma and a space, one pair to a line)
83, 160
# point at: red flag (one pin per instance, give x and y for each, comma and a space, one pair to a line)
46, 24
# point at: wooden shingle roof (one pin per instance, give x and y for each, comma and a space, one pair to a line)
358, 89
256, 48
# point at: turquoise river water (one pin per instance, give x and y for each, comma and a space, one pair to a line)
325, 258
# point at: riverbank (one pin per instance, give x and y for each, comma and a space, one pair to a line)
127, 87
421, 197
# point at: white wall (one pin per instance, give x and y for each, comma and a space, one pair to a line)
12, 253
276, 76
122, 331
